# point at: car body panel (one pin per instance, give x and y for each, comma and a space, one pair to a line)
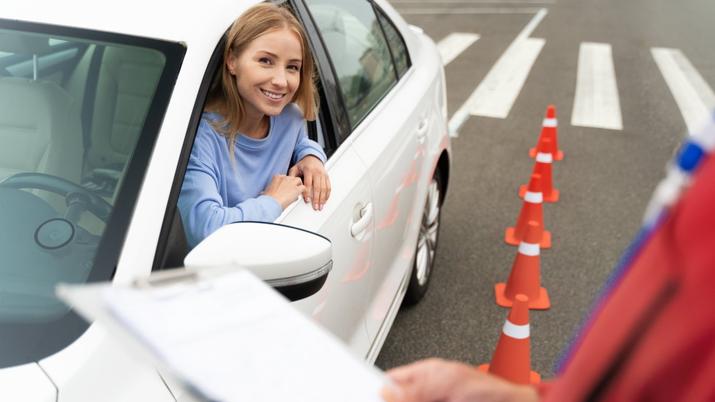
28, 382
342, 303
398, 260
80, 371
397, 143
159, 19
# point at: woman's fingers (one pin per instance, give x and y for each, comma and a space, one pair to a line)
318, 192
294, 171
285, 189
321, 190
324, 191
315, 188
316, 180
308, 181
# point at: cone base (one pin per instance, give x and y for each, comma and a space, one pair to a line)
542, 302
534, 377
552, 197
559, 156
511, 239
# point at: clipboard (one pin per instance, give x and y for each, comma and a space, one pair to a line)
224, 335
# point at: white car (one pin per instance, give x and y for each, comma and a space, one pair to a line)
99, 105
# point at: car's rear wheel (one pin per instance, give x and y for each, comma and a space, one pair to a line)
427, 241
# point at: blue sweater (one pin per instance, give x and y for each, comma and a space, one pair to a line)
216, 191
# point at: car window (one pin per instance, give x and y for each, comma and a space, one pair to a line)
396, 42
358, 50
63, 215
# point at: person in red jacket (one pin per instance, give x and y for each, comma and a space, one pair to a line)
650, 338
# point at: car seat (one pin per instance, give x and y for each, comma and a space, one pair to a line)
39, 127
125, 88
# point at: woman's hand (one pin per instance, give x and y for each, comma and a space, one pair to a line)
285, 189
315, 178
437, 380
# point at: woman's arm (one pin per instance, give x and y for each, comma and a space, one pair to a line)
311, 167
202, 203
202, 210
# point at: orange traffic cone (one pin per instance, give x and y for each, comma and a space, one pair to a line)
543, 167
512, 356
549, 129
525, 276
532, 210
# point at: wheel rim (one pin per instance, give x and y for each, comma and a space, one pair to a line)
427, 240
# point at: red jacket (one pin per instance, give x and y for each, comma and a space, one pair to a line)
654, 337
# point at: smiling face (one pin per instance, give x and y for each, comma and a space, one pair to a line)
267, 73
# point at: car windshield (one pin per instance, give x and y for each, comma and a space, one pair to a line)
79, 114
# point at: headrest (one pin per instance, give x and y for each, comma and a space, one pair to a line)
21, 43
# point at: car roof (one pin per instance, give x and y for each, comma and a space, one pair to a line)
177, 21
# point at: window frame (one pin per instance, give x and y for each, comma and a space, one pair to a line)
380, 12
168, 228
331, 97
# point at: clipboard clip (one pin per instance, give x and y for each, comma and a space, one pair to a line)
177, 276
166, 278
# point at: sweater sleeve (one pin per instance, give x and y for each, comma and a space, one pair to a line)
304, 146
201, 204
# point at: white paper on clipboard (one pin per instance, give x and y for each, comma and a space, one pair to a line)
232, 338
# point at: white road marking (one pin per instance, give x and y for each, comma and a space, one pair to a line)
450, 3
455, 43
467, 11
596, 103
529, 28
693, 95
497, 92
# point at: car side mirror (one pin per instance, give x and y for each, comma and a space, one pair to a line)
293, 261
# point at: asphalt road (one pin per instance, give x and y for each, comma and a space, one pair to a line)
605, 179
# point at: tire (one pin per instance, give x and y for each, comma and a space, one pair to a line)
427, 241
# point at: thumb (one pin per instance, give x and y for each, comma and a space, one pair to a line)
294, 171
391, 393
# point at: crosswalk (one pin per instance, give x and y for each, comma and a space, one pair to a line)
596, 100
596, 103
694, 97
496, 94
455, 43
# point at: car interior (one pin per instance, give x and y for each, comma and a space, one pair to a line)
71, 111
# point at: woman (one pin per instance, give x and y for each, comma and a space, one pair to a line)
253, 129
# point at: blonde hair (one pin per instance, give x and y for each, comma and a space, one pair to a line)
224, 98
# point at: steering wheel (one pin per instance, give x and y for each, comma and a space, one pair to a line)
73, 193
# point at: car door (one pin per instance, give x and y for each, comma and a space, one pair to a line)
389, 124
348, 221
347, 218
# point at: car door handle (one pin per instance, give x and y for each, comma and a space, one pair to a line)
422, 130
360, 224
